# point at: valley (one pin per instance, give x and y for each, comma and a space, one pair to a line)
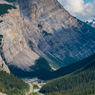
35, 85
81, 83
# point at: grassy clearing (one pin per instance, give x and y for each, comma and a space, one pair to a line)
35, 86
34, 93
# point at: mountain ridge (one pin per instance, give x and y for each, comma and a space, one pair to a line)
44, 29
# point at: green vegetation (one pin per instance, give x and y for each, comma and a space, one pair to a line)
1, 36
56, 63
41, 67
0, 39
12, 85
41, 63
75, 92
22, 74
39, 81
46, 33
73, 68
35, 86
11, 1
4, 8
1, 21
82, 83
34, 93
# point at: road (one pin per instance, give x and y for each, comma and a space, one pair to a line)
31, 88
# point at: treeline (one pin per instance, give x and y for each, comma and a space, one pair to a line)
82, 83
4, 8
12, 85
41, 67
90, 91
1, 21
41, 63
11, 0
73, 68
22, 74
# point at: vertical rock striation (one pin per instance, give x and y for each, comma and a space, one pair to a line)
14, 43
44, 28
49, 29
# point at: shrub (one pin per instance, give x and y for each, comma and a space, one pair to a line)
46, 33
4, 8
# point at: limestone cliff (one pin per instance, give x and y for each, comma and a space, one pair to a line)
49, 29
45, 27
14, 43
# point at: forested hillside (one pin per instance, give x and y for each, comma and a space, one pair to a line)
4, 8
82, 83
73, 68
41, 67
12, 85
11, 0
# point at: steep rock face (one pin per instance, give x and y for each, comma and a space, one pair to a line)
50, 30
14, 43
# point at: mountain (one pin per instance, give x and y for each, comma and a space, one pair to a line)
42, 28
82, 83
54, 33
91, 23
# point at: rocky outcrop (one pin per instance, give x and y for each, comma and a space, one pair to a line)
2, 94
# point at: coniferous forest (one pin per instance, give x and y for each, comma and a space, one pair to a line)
73, 68
82, 83
4, 8
12, 85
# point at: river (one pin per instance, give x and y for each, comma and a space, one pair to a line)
30, 79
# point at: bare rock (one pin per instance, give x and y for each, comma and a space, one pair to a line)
2, 93
50, 30
13, 42
45, 27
